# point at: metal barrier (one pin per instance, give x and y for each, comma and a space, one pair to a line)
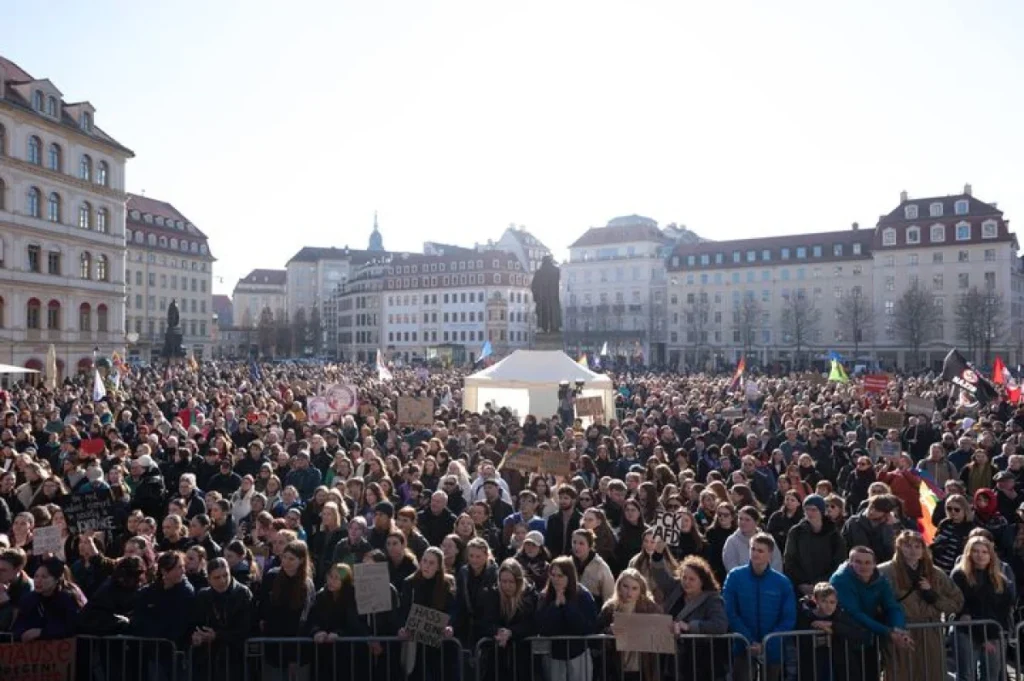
128, 658
966, 650
595, 658
366, 658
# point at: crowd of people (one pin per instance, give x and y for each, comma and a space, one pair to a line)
233, 518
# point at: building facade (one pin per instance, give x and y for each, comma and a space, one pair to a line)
358, 305
62, 227
258, 291
516, 240
168, 259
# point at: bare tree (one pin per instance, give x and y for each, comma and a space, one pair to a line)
801, 321
917, 319
980, 322
855, 319
747, 319
698, 316
283, 344
267, 331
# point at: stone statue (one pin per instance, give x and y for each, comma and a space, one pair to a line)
173, 334
172, 315
545, 297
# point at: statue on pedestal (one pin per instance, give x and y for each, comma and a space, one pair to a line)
173, 335
545, 297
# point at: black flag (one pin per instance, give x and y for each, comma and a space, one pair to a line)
958, 371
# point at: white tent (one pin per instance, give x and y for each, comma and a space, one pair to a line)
8, 369
526, 382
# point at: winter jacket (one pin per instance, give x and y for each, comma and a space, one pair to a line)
737, 552
558, 535
471, 594
949, 542
109, 610
810, 556
149, 495
305, 480
983, 602
758, 605
164, 613
597, 577
871, 604
577, 617
435, 527
880, 538
56, 615
229, 614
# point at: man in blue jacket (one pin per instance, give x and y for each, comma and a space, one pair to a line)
759, 601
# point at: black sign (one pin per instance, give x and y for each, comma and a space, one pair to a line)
90, 512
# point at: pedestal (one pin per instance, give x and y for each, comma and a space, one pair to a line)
172, 343
548, 341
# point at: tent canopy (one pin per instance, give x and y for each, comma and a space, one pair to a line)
527, 382
8, 369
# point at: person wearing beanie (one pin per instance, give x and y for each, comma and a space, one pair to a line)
814, 547
383, 524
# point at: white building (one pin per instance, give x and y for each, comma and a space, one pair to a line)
62, 221
520, 243
258, 291
358, 304
168, 258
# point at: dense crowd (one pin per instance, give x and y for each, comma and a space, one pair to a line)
231, 517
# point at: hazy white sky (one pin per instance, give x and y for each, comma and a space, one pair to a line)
277, 125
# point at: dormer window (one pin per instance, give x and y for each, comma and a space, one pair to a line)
913, 235
174, 244
889, 237
856, 249
935, 210
135, 215
989, 229
51, 106
202, 249
86, 121
963, 231
37, 100
160, 220
148, 218
961, 207
910, 212
937, 234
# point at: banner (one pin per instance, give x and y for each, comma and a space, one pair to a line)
958, 371
536, 460
319, 411
889, 419
38, 660
415, 411
876, 383
342, 398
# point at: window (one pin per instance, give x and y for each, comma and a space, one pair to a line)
936, 282
51, 106
34, 259
890, 308
86, 121
963, 231
936, 258
3, 195
890, 261
102, 174
910, 212
963, 281
53, 263
35, 151
990, 281
801, 252
53, 315
53, 207
53, 158
889, 237
913, 235
961, 207
85, 168
37, 100
85, 266
837, 250
751, 256
990, 255
816, 251
856, 249
102, 221
890, 283
964, 256
85, 216
33, 314
103, 269
102, 316
138, 279
935, 210
736, 256
912, 259
85, 317
989, 229
785, 254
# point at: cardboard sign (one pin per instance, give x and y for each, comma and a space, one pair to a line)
890, 448
589, 406
920, 406
319, 411
38, 660
876, 383
813, 378
644, 633
342, 398
89, 513
426, 625
48, 540
668, 526
415, 411
536, 460
732, 414
556, 463
373, 588
889, 419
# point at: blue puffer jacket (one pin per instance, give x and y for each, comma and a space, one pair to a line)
872, 603
758, 605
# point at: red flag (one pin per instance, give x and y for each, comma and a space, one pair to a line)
999, 372
1013, 393
740, 368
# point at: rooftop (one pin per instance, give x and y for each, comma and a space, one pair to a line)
266, 277
621, 230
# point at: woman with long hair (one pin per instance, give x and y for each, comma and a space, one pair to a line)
401, 560
595, 520
110, 608
323, 543
926, 594
593, 572
244, 568
951, 534
51, 610
286, 597
785, 519
430, 587
698, 610
723, 527
987, 596
511, 621
567, 608
631, 533
654, 557
534, 558
195, 568
691, 540
737, 547
632, 595
334, 616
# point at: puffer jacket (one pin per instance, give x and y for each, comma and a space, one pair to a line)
758, 605
810, 556
872, 603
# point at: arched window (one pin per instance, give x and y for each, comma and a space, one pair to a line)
85, 266
85, 168
101, 319
53, 158
102, 174
85, 215
34, 201
102, 221
53, 207
51, 106
37, 100
32, 314
35, 151
102, 268
85, 317
53, 315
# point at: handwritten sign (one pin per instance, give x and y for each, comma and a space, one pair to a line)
732, 414
536, 460
48, 540
876, 383
89, 513
426, 625
415, 411
644, 633
920, 406
589, 406
889, 419
668, 526
373, 588
556, 463
38, 660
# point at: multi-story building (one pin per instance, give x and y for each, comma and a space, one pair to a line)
520, 243
62, 227
448, 306
258, 291
168, 258
358, 304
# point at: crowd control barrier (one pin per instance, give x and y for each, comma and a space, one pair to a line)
129, 658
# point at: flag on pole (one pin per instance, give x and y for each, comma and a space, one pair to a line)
99, 391
973, 387
582, 361
738, 376
838, 374
1000, 374
383, 373
928, 504
486, 351
192, 363
604, 349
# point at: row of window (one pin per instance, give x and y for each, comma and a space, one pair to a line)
189, 327
185, 246
453, 336
88, 218
452, 298
937, 233
767, 254
51, 107
454, 280
963, 281
913, 259
458, 317
459, 266
151, 258
961, 207
159, 220
53, 159
97, 268
186, 305
198, 285
36, 317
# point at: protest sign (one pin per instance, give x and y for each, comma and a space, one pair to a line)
589, 406
48, 540
641, 633
889, 419
876, 383
367, 410
555, 463
38, 660
426, 625
668, 526
342, 398
319, 411
920, 406
732, 414
373, 588
522, 459
890, 448
89, 512
415, 411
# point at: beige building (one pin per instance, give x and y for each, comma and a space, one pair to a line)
358, 304
258, 291
168, 258
62, 227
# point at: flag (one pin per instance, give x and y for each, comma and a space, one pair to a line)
604, 349
1000, 374
98, 389
582, 361
928, 504
835, 356
974, 388
383, 373
1013, 392
117, 380
740, 368
192, 363
838, 374
255, 375
486, 351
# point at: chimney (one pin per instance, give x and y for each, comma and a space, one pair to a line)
903, 196
967, 189
856, 226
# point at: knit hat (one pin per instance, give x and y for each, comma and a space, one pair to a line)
535, 538
385, 507
146, 461
816, 501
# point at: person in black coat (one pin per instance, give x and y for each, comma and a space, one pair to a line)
223, 615
109, 610
164, 611
335, 616
223, 528
507, 617
436, 521
433, 589
199, 532
473, 582
285, 599
149, 494
561, 525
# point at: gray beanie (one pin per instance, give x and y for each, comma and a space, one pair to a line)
816, 501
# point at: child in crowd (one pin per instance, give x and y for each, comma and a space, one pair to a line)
823, 657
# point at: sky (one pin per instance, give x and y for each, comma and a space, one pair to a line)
274, 126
